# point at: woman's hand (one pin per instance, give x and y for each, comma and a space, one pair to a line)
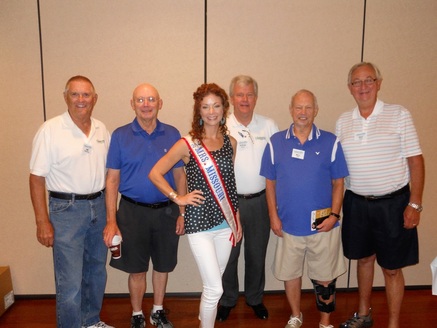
194, 198
239, 233
239, 228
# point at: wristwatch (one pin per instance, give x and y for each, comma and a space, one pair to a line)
417, 207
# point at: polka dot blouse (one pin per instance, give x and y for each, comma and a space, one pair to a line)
208, 215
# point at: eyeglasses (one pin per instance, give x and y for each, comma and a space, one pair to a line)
358, 83
243, 95
142, 100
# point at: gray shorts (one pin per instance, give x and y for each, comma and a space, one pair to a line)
148, 233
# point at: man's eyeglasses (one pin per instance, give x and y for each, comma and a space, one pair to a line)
142, 100
358, 83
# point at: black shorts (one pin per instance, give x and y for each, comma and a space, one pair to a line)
148, 233
377, 227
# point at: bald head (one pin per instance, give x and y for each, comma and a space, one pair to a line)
145, 88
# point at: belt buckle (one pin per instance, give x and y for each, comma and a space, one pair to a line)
371, 197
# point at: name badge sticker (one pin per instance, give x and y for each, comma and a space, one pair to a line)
360, 136
87, 148
298, 153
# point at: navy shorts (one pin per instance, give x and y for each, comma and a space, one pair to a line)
148, 233
377, 227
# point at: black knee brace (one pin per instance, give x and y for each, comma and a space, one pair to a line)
325, 293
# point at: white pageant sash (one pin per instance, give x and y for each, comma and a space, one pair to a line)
214, 180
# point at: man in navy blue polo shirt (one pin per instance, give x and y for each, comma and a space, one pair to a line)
304, 169
149, 223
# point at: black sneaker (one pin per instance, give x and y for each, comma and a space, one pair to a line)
159, 319
137, 321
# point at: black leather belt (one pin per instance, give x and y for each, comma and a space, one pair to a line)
155, 205
250, 196
67, 196
398, 192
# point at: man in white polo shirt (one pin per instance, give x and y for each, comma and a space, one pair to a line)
383, 198
252, 132
69, 160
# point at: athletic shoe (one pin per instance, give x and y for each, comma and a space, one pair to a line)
160, 320
100, 324
295, 322
137, 321
358, 321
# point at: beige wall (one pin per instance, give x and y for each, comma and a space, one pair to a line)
286, 45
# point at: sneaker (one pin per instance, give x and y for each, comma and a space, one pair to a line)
100, 324
295, 322
358, 321
159, 319
323, 326
137, 321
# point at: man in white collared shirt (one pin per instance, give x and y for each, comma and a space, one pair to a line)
69, 161
252, 132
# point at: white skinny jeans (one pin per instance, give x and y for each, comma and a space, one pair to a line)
211, 250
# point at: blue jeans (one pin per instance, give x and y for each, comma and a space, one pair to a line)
79, 256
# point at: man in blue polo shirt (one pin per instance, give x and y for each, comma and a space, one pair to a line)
304, 169
149, 223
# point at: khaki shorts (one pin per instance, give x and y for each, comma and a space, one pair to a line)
322, 251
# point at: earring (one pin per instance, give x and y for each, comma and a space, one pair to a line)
200, 122
222, 121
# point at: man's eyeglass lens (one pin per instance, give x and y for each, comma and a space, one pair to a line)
359, 83
142, 100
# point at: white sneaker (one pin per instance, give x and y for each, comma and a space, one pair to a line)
100, 324
295, 322
323, 326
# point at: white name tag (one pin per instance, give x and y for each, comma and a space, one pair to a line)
298, 153
360, 136
87, 148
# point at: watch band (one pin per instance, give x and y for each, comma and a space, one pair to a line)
417, 207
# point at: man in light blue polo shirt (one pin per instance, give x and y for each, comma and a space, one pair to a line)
304, 169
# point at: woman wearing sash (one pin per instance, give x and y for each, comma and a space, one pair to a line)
210, 209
